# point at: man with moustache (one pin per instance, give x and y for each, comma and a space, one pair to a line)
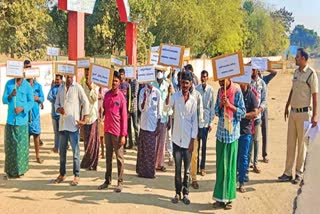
71, 98
185, 130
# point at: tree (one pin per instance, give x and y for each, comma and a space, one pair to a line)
57, 29
285, 18
304, 37
23, 28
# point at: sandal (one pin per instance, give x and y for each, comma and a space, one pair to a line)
75, 181
195, 185
103, 186
58, 180
265, 160
218, 205
176, 199
186, 200
163, 169
228, 206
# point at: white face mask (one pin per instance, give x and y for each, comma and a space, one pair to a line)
159, 75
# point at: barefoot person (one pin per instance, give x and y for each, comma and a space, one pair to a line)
70, 99
18, 96
115, 128
230, 109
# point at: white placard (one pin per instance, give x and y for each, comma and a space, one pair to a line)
246, 78
31, 72
101, 76
14, 68
227, 66
84, 6
155, 49
153, 58
130, 72
171, 55
146, 74
117, 61
53, 51
259, 63
186, 54
83, 63
66, 69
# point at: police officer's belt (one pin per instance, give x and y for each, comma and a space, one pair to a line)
300, 110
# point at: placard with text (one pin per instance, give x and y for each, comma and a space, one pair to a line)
101, 75
66, 69
146, 74
15, 68
171, 55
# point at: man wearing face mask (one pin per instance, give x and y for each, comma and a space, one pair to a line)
259, 85
163, 85
151, 107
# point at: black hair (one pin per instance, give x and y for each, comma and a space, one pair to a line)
188, 67
26, 62
187, 76
121, 70
304, 53
116, 74
59, 75
204, 72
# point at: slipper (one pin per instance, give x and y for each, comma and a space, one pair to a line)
186, 200
218, 205
228, 206
195, 185
75, 181
176, 199
163, 169
103, 186
58, 180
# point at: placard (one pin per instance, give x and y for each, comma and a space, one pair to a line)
186, 54
130, 72
146, 74
83, 63
101, 76
84, 6
246, 78
66, 69
14, 68
227, 66
53, 51
31, 72
118, 61
155, 49
171, 55
153, 58
259, 63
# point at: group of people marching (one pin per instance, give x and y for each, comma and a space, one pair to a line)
175, 113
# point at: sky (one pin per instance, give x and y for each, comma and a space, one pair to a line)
304, 12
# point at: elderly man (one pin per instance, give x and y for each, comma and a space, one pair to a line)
70, 99
304, 89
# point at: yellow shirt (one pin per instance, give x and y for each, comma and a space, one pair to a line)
301, 91
92, 96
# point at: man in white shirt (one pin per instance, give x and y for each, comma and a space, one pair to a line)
185, 130
70, 99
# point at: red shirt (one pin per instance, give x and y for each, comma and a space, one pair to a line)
115, 113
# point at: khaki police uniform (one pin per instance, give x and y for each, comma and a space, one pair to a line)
304, 84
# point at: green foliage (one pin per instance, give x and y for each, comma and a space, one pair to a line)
57, 29
23, 28
285, 17
304, 37
265, 35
